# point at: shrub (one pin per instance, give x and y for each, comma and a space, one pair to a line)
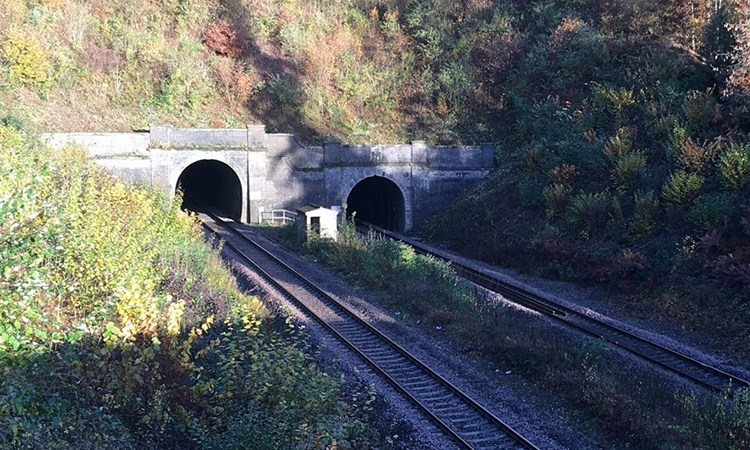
395, 270
681, 188
185, 84
617, 102
565, 174
678, 137
532, 160
619, 145
28, 62
628, 167
645, 215
222, 38
694, 156
9, 137
734, 166
556, 197
578, 48
625, 162
235, 84
590, 212
713, 210
699, 109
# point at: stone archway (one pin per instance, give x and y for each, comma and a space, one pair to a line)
211, 184
379, 201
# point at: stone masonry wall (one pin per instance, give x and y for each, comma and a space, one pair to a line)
277, 172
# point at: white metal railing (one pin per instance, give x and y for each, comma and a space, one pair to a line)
281, 216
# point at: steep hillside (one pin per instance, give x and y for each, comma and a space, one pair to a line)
623, 159
357, 71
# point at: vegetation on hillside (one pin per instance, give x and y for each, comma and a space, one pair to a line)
120, 326
357, 71
623, 159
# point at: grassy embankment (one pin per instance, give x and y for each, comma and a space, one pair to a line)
623, 405
120, 327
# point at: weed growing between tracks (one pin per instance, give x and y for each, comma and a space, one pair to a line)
624, 404
120, 327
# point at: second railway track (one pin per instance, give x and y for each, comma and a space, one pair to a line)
702, 373
462, 418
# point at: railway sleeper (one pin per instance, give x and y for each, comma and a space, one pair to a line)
368, 344
406, 371
470, 423
362, 336
412, 378
348, 329
452, 404
408, 377
488, 432
495, 443
457, 412
473, 428
437, 396
402, 366
422, 389
387, 356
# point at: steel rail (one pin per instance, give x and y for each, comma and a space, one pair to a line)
462, 437
676, 362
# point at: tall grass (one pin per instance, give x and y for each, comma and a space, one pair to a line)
396, 271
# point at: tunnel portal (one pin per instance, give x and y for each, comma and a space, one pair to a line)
379, 201
211, 185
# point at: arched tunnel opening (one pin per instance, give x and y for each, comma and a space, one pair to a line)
379, 201
211, 185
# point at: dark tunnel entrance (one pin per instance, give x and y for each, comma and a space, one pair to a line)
379, 201
211, 185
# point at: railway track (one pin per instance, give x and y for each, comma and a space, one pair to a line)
699, 372
466, 421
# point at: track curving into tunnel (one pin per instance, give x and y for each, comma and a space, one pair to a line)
211, 184
379, 201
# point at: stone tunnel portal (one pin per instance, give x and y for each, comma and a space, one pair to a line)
211, 185
379, 201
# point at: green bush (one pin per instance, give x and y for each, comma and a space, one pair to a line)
646, 214
682, 187
591, 212
713, 210
617, 102
556, 198
734, 166
579, 49
619, 145
628, 168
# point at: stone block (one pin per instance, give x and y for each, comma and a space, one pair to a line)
419, 152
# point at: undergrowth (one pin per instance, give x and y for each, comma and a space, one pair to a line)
394, 270
120, 326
